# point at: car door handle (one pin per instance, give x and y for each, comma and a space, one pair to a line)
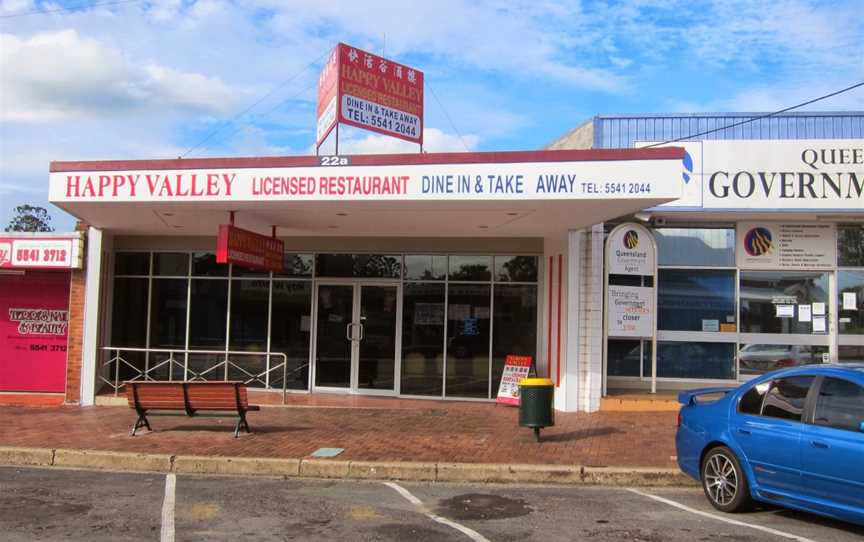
817, 444
744, 431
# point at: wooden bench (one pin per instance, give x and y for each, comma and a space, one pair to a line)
197, 398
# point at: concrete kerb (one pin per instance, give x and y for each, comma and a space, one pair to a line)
344, 469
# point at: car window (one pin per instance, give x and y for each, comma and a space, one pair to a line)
840, 405
786, 398
751, 402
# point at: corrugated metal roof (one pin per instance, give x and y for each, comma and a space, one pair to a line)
622, 131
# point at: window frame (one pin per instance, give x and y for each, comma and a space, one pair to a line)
806, 410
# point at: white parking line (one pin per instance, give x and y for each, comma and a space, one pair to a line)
167, 534
721, 518
470, 533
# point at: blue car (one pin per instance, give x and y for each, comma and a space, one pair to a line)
793, 438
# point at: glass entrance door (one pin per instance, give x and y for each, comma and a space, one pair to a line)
356, 337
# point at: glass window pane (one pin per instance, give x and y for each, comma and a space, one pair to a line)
695, 360
849, 352
291, 326
422, 339
515, 326
238, 271
171, 264
751, 402
168, 313
358, 265
623, 357
129, 313
296, 265
687, 298
249, 304
850, 245
786, 398
762, 292
132, 263
470, 268
696, 246
755, 359
204, 265
419, 267
840, 405
631, 280
850, 287
207, 319
516, 268
468, 340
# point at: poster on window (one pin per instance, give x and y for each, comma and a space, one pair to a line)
770, 245
34, 320
631, 311
515, 369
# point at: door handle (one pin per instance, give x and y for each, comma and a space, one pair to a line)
818, 444
743, 431
349, 332
361, 332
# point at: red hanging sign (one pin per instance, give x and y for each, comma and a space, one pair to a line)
249, 249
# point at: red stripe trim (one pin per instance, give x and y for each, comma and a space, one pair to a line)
661, 153
549, 328
558, 363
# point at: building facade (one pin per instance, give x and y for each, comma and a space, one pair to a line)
760, 263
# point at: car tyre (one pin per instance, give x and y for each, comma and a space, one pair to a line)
724, 481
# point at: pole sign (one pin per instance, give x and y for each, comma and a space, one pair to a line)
249, 249
631, 251
371, 92
630, 311
27, 252
515, 369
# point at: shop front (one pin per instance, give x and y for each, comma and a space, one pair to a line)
760, 263
35, 282
409, 275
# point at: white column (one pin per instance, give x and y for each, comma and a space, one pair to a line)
92, 306
590, 317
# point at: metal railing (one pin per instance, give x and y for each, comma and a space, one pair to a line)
178, 359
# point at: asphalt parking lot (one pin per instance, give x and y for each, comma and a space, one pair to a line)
52, 504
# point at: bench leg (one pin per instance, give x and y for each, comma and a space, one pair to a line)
241, 424
139, 423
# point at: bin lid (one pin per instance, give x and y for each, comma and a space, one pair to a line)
536, 382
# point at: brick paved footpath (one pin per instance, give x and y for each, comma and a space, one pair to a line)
372, 429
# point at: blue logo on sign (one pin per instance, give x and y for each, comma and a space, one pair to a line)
688, 167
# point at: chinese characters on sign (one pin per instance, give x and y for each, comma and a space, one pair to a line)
370, 92
249, 249
515, 369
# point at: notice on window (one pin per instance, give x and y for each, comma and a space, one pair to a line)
803, 313
850, 303
819, 324
818, 309
785, 311
767, 245
710, 325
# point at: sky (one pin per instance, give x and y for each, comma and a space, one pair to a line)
153, 79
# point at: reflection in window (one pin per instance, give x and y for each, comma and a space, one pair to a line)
423, 339
296, 265
850, 302
786, 398
204, 265
291, 326
132, 263
358, 265
688, 298
470, 268
468, 340
765, 294
515, 326
840, 405
695, 360
249, 301
755, 359
129, 321
516, 268
208, 314
419, 267
624, 356
850, 245
709, 247
168, 313
751, 402
171, 264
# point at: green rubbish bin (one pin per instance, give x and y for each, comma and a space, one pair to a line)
536, 404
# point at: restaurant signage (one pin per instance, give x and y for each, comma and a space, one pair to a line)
249, 249
371, 92
29, 252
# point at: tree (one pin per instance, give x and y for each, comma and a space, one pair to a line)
31, 219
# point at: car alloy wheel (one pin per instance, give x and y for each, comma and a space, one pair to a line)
724, 481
